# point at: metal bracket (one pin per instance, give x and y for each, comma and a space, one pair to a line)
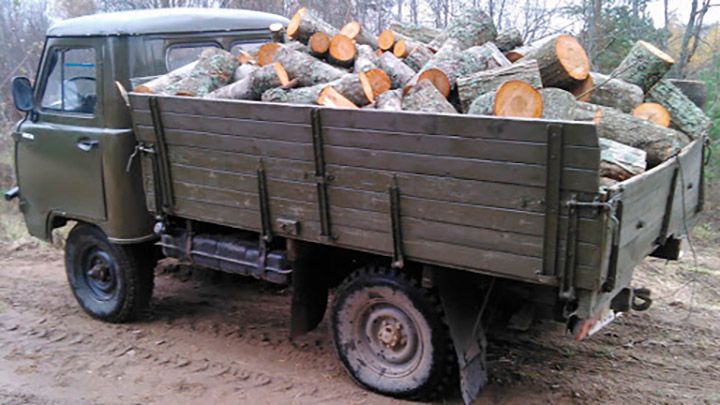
567, 276
163, 164
396, 223
552, 197
264, 202
320, 175
667, 216
610, 280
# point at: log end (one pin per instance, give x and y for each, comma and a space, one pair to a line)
378, 80
514, 55
516, 98
653, 112
281, 74
244, 57
438, 78
572, 57
342, 49
267, 52
401, 49
351, 29
657, 52
330, 97
293, 28
319, 43
386, 40
142, 89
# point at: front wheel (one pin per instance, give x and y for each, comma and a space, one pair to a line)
391, 335
111, 282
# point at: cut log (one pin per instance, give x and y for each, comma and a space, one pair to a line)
302, 95
254, 84
684, 114
476, 84
244, 71
386, 40
329, 97
518, 53
558, 104
509, 39
307, 70
297, 46
342, 51
653, 112
513, 98
390, 100
582, 90
267, 52
425, 97
356, 88
562, 61
239, 90
418, 57
354, 30
400, 74
379, 81
305, 23
158, 84
366, 59
644, 65
245, 57
403, 47
319, 43
619, 161
416, 32
277, 32
695, 90
441, 70
479, 58
214, 69
659, 143
471, 28
615, 93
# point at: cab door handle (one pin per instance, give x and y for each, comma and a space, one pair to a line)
87, 145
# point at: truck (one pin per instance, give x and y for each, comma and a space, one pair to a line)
420, 226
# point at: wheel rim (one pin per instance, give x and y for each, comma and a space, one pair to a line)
98, 271
391, 343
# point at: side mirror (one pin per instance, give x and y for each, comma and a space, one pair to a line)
22, 92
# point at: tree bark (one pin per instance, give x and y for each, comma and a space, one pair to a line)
213, 69
441, 69
643, 66
416, 32
418, 57
390, 100
471, 28
562, 61
513, 98
509, 39
684, 114
619, 161
615, 93
400, 73
426, 98
307, 70
366, 59
329, 97
254, 85
472, 86
695, 90
305, 23
659, 143
355, 88
239, 90
244, 71
354, 30
558, 104
480, 58
161, 82
301, 95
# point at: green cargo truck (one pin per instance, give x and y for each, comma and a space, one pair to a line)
419, 222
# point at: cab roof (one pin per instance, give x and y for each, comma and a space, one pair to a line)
165, 20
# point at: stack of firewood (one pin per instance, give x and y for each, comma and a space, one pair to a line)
468, 68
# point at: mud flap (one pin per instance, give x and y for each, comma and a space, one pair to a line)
463, 307
309, 300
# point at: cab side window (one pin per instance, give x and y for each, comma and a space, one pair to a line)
71, 84
178, 56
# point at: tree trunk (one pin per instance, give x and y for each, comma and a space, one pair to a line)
354, 30
400, 73
255, 84
684, 114
302, 95
214, 69
615, 93
472, 86
390, 100
558, 104
659, 143
305, 23
509, 39
306, 69
513, 98
643, 66
416, 32
426, 98
471, 28
418, 57
356, 88
244, 71
653, 112
239, 90
441, 69
619, 161
158, 84
562, 61
695, 90
342, 51
329, 97
366, 59
480, 58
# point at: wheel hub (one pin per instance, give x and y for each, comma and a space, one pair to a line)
390, 334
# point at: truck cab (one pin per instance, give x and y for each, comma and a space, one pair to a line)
73, 148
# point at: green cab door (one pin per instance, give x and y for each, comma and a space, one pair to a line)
58, 151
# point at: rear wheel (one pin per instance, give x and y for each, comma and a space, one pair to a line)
391, 335
111, 282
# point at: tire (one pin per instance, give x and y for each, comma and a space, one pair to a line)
391, 335
112, 283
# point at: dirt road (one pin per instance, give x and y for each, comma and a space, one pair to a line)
223, 340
